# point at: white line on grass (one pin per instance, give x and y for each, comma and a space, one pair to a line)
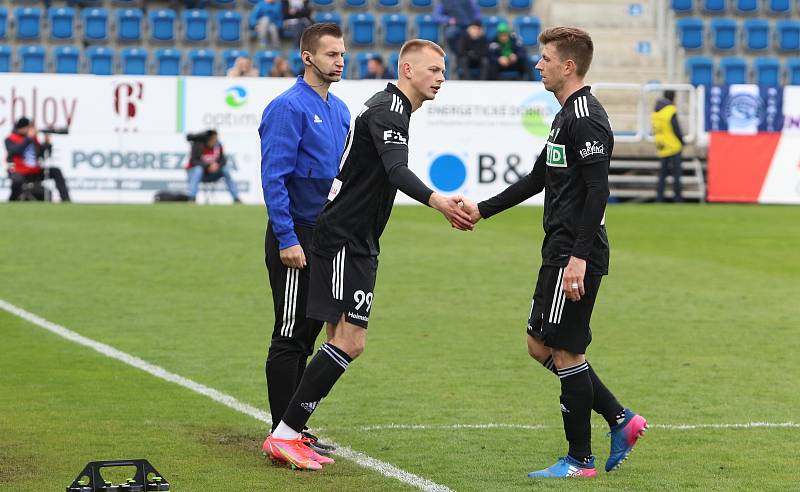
746, 425
229, 401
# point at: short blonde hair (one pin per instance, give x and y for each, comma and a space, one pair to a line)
414, 45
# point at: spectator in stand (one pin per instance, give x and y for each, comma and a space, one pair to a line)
669, 144
281, 68
265, 19
507, 56
24, 154
376, 69
242, 67
457, 15
207, 164
296, 18
474, 51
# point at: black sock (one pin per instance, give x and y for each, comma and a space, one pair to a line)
604, 402
550, 365
321, 374
282, 379
576, 409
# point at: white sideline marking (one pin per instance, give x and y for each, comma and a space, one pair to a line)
385, 469
746, 425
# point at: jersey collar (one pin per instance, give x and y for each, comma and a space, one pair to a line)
302, 82
390, 87
586, 89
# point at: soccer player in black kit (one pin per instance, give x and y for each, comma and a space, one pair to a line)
573, 172
345, 246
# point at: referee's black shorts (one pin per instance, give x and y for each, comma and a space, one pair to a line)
340, 286
557, 321
292, 330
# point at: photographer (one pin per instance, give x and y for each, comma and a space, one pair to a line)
24, 156
207, 164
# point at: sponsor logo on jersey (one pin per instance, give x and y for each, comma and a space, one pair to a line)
336, 186
358, 316
317, 119
592, 148
394, 137
556, 155
310, 406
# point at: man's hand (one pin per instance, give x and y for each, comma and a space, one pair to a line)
31, 132
573, 279
213, 167
471, 208
450, 208
293, 257
503, 61
512, 58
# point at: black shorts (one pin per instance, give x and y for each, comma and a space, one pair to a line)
557, 321
342, 286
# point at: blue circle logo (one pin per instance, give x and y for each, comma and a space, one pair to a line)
448, 172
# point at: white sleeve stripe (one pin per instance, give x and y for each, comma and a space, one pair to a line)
585, 105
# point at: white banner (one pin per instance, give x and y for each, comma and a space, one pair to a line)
127, 134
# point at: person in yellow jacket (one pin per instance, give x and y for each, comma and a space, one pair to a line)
669, 144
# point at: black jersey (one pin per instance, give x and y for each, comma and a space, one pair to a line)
577, 152
362, 195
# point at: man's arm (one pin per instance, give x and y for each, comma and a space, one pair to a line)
17, 149
676, 127
281, 132
526, 187
222, 159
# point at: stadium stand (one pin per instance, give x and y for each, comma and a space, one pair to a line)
28, 22
3, 22
427, 27
264, 61
134, 61
95, 24
767, 70
793, 71
162, 24
168, 61
32, 59
62, 21
229, 26
66, 59
100, 59
195, 25
5, 59
733, 70
230, 55
201, 62
129, 25
394, 29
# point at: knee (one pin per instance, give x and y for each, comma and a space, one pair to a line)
537, 350
353, 347
563, 358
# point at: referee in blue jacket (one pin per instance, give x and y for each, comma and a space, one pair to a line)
303, 133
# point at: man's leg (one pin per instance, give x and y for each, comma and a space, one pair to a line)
662, 176
61, 184
17, 180
576, 402
230, 183
677, 171
195, 175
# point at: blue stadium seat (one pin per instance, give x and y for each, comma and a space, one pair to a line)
32, 59
264, 61
421, 4
395, 27
129, 24
66, 59
168, 61
134, 61
714, 6
779, 6
691, 33
394, 59
162, 24
323, 3
229, 26
224, 3
427, 28
3, 22
101, 60
520, 4
389, 3
490, 24
733, 69
528, 28
701, 70
361, 63
362, 28
334, 17
346, 66
724, 34
95, 24
756, 34
533, 59
195, 25
62, 20
361, 4
126, 3
229, 56
747, 6
788, 32
5, 59
296, 62
28, 22
487, 4
793, 71
683, 6
201, 62
767, 70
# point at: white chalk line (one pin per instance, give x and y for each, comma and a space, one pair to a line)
493, 425
385, 469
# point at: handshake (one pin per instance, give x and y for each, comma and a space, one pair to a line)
461, 212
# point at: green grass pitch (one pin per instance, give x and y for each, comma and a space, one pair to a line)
697, 324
